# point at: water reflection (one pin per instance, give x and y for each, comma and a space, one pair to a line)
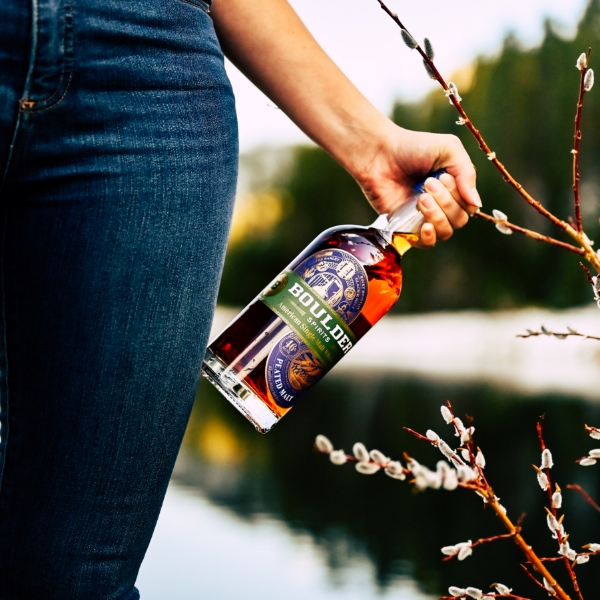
350, 515
200, 550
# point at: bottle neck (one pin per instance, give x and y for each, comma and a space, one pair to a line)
403, 227
407, 219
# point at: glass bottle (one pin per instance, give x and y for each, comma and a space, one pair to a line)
312, 314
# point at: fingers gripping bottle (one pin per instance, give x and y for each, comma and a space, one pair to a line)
311, 315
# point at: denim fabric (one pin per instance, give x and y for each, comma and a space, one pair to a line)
118, 161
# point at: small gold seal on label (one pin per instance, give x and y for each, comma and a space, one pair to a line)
277, 285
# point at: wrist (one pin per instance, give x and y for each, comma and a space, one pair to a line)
359, 140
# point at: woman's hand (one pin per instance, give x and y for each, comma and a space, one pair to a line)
402, 159
270, 45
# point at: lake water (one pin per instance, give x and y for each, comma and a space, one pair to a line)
251, 516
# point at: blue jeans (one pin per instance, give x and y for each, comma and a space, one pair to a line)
118, 164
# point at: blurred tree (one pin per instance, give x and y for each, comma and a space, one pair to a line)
316, 194
523, 101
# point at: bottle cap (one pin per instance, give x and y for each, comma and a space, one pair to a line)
408, 218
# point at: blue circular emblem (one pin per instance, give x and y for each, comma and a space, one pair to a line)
341, 281
291, 370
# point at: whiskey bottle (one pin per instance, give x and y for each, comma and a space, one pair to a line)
312, 314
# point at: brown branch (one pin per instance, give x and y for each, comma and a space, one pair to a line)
432, 442
539, 431
557, 558
476, 133
532, 234
539, 583
494, 538
480, 541
576, 141
529, 553
551, 559
552, 510
420, 436
586, 496
484, 488
587, 273
589, 252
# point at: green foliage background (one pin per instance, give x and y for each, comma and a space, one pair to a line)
523, 102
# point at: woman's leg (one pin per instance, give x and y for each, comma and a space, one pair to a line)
116, 199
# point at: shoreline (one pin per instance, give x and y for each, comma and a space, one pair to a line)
479, 347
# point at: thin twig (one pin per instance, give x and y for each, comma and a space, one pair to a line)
489, 596
502, 536
554, 595
587, 272
558, 334
532, 234
576, 141
587, 497
419, 436
557, 558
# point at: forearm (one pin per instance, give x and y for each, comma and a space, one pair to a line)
267, 41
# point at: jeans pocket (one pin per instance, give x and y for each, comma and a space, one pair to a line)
205, 6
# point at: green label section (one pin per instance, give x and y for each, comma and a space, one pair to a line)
309, 317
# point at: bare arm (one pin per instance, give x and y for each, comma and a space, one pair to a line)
267, 41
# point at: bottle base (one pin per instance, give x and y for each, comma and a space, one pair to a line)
238, 393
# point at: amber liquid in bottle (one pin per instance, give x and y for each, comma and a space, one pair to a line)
236, 361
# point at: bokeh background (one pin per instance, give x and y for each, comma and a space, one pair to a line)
263, 516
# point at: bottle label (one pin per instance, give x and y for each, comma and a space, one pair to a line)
317, 301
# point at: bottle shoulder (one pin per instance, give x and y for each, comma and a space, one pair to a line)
368, 245
356, 234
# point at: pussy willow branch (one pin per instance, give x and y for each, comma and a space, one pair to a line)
480, 541
554, 511
470, 446
478, 483
580, 237
529, 553
558, 334
514, 530
576, 142
533, 234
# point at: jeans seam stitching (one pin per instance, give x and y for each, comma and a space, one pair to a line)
66, 71
34, 46
11, 151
